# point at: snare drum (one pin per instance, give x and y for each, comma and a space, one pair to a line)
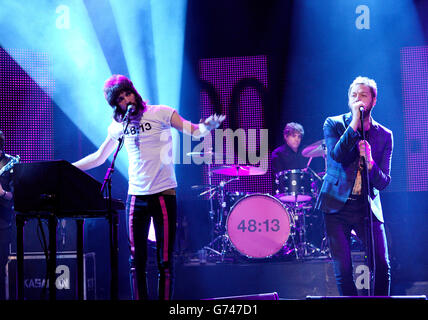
258, 225
294, 186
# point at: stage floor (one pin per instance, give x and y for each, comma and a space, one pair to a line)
290, 280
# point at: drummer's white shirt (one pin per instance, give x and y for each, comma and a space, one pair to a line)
148, 141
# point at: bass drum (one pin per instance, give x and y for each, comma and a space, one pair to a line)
258, 225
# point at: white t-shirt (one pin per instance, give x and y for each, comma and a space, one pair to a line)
148, 141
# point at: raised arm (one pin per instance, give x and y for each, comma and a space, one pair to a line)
196, 130
98, 157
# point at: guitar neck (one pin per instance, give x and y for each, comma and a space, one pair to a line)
9, 164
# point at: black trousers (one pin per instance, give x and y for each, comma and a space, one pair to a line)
140, 210
338, 228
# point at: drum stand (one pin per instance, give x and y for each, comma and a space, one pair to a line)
324, 250
301, 247
217, 227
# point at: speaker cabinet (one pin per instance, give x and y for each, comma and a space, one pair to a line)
35, 277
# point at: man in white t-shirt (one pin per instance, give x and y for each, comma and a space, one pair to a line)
146, 133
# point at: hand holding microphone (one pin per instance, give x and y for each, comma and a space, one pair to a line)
363, 145
366, 153
357, 109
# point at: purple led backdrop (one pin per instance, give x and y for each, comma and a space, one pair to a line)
236, 86
414, 68
26, 109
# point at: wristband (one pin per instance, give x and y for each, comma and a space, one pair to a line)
202, 128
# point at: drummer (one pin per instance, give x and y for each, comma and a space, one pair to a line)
289, 155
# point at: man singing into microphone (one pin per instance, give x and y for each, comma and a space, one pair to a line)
343, 195
146, 130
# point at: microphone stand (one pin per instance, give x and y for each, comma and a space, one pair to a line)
109, 173
370, 235
110, 170
113, 220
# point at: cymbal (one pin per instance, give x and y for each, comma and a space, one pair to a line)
238, 170
202, 186
200, 153
316, 149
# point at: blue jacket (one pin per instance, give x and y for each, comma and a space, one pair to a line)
343, 162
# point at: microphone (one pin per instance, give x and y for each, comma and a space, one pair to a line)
362, 109
131, 109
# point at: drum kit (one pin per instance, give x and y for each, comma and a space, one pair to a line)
263, 226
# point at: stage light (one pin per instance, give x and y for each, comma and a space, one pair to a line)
78, 64
151, 37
